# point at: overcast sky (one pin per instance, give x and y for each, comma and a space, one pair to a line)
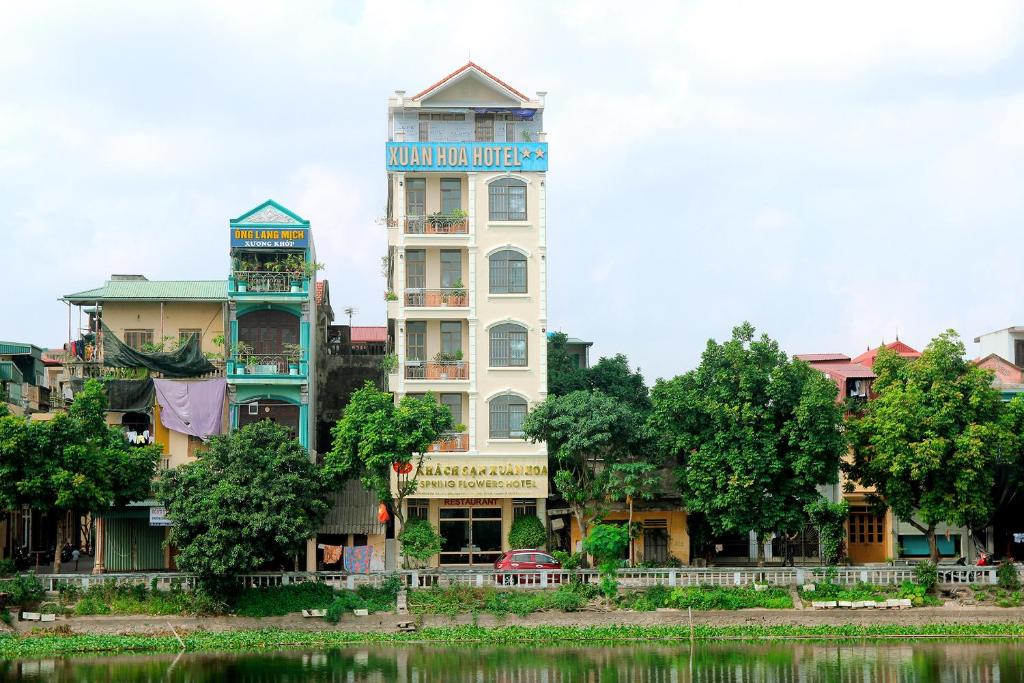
832, 172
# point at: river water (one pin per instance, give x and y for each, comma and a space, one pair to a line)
992, 661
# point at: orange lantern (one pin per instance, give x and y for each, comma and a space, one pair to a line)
402, 467
382, 513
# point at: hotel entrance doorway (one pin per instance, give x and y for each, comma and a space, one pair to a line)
472, 535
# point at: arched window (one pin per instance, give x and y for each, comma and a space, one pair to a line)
508, 200
508, 272
508, 346
507, 415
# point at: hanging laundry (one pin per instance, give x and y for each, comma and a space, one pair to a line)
332, 554
192, 407
357, 559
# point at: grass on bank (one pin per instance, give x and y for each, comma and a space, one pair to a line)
916, 593
40, 644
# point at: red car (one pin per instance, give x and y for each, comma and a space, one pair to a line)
518, 560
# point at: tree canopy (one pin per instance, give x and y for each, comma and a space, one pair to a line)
250, 499
933, 440
586, 433
754, 434
610, 375
73, 462
375, 436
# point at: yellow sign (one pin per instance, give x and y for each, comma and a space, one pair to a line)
456, 477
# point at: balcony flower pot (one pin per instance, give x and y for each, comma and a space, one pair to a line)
296, 285
243, 286
293, 368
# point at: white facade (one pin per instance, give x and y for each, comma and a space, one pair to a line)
1007, 343
468, 298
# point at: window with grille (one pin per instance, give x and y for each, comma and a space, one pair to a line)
417, 508
451, 336
484, 128
451, 195
454, 403
415, 268
507, 200
415, 196
524, 507
507, 272
416, 340
185, 334
451, 267
507, 415
508, 346
136, 338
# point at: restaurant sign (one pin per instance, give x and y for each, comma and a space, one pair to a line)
269, 238
467, 156
446, 477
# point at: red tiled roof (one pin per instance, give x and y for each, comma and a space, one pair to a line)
466, 67
369, 334
868, 357
821, 357
846, 370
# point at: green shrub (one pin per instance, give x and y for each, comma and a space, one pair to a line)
717, 597
1007, 577
527, 532
50, 608
7, 567
281, 600
572, 597
927, 575
126, 598
568, 560
420, 540
6, 617
25, 589
607, 542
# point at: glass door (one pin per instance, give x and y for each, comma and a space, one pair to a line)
472, 536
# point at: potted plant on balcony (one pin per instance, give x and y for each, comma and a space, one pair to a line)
458, 293
446, 360
294, 354
390, 295
242, 275
244, 356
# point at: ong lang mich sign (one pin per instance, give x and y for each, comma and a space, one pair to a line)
481, 478
270, 238
467, 156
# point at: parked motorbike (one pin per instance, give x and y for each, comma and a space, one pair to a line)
22, 558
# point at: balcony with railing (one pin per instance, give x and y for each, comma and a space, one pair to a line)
437, 370
267, 365
451, 442
455, 224
449, 297
250, 282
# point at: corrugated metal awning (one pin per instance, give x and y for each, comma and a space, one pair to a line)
353, 511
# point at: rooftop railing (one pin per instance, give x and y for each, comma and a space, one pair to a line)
266, 281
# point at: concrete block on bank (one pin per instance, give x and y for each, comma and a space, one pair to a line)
31, 616
892, 602
848, 604
314, 613
361, 612
666, 609
807, 587
824, 604
905, 603
47, 617
760, 586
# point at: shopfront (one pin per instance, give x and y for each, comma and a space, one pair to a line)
475, 527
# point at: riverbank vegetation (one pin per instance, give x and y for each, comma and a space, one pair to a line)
45, 643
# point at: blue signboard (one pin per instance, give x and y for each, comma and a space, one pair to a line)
467, 156
269, 238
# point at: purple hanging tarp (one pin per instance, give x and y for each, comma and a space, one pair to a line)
192, 407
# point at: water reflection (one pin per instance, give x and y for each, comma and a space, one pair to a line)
946, 662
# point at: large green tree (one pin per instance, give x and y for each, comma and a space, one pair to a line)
754, 434
610, 375
934, 438
250, 498
375, 437
587, 432
72, 463
564, 373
